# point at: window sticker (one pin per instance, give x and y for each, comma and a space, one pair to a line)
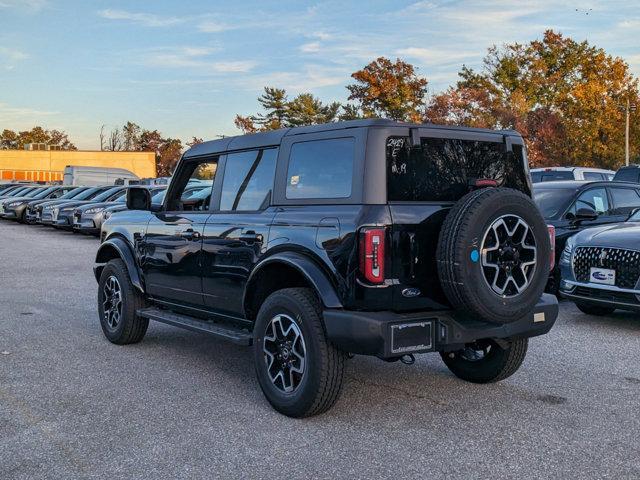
599, 203
295, 180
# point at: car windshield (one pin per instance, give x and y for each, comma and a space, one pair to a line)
635, 217
45, 192
19, 192
107, 194
32, 193
89, 193
73, 193
551, 201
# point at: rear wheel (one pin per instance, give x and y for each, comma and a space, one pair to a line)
299, 371
598, 310
485, 361
118, 302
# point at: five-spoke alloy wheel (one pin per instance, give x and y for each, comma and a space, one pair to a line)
284, 352
112, 303
509, 255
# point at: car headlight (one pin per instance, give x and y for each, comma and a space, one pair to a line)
14, 204
565, 258
68, 209
93, 210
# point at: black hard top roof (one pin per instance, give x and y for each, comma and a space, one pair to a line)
274, 137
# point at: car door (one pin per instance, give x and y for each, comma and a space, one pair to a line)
236, 234
170, 259
624, 200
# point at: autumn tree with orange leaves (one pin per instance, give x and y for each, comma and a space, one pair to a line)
565, 97
390, 90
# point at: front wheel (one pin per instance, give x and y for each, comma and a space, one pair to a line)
299, 370
118, 302
485, 361
597, 310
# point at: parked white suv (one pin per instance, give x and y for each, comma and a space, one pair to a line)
587, 174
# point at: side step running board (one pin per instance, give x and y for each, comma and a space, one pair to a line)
234, 335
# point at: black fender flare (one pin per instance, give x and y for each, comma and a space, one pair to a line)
118, 248
307, 267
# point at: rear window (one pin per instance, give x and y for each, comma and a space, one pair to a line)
627, 175
551, 176
445, 169
321, 169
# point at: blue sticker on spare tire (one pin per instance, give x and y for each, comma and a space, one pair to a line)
475, 256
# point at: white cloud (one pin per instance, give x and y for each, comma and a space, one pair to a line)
199, 58
22, 117
144, 19
12, 54
28, 5
439, 56
213, 27
312, 47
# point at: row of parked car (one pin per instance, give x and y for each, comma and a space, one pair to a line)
597, 242
81, 209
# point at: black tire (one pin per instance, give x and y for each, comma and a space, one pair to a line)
128, 327
464, 279
497, 364
319, 384
597, 310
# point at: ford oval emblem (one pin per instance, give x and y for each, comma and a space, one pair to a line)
411, 292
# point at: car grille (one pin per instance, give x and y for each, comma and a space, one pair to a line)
608, 295
77, 216
626, 263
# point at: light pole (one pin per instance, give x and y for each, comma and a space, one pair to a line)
630, 107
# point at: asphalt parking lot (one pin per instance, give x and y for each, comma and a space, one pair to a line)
181, 405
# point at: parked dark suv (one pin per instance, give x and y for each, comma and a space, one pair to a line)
366, 237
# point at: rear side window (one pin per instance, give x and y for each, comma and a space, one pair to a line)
594, 176
248, 180
321, 169
445, 169
627, 175
625, 200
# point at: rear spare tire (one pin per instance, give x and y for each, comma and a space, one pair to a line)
493, 255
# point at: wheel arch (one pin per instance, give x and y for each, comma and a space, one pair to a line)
118, 247
285, 270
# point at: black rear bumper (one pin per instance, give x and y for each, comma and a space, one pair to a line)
372, 333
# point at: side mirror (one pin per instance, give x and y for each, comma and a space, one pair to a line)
586, 214
138, 198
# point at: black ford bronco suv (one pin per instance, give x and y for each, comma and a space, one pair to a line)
311, 244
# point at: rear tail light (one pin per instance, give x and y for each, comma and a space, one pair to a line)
552, 239
372, 249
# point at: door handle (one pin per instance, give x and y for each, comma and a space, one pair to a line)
250, 237
190, 234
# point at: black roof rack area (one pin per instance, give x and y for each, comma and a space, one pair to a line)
274, 137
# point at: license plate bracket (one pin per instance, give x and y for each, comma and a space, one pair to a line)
411, 337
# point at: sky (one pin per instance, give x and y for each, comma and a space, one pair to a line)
187, 68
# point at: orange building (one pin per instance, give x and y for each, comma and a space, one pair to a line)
48, 165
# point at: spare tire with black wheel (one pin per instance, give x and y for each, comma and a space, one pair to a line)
493, 255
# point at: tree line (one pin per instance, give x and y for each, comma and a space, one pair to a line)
567, 98
133, 138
